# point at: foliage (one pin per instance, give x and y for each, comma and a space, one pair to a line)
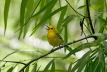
87, 17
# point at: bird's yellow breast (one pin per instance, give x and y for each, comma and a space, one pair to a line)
53, 39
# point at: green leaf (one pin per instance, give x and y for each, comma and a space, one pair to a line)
88, 66
95, 65
63, 12
68, 19
102, 58
38, 69
103, 37
36, 5
103, 25
68, 48
48, 11
79, 48
53, 67
27, 69
15, 68
96, 7
34, 69
49, 64
52, 2
6, 11
84, 60
83, 6
94, 53
10, 69
28, 14
70, 67
92, 65
46, 18
22, 14
100, 34
100, 13
81, 62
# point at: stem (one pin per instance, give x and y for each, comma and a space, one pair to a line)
13, 62
89, 17
75, 10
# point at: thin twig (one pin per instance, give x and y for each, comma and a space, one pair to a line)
89, 17
53, 50
13, 62
75, 10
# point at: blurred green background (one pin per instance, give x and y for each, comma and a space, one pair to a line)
25, 30
29, 47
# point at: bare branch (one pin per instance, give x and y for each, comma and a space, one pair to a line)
89, 17
13, 62
75, 10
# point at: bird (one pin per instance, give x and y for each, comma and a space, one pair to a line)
53, 36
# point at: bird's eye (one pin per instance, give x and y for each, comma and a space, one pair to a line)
51, 28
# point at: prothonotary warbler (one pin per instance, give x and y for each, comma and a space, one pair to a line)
53, 37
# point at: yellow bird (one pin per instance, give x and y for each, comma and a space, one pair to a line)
53, 37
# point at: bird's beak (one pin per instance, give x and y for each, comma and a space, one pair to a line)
47, 28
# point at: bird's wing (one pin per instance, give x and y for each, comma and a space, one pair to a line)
59, 36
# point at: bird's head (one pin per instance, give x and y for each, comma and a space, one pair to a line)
51, 29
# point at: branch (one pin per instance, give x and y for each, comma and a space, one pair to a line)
13, 62
53, 50
75, 10
89, 17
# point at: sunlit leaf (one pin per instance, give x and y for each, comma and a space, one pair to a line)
27, 68
6, 11
84, 60
10, 69
81, 62
103, 25
83, 6
53, 67
34, 69
29, 7
99, 14
49, 64
70, 67
96, 7
79, 48
95, 65
68, 18
45, 7
92, 65
22, 14
38, 69
102, 58
36, 5
63, 12
15, 69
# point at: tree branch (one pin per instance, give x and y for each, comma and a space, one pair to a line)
75, 10
53, 50
89, 17
13, 62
